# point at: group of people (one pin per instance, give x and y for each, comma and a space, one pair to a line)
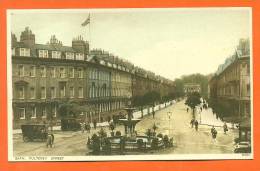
214, 132
194, 123
86, 126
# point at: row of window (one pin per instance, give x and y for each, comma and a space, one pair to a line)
45, 54
53, 72
102, 75
22, 112
235, 91
99, 75
105, 92
104, 107
32, 112
235, 72
53, 94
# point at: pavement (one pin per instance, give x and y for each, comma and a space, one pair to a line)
172, 120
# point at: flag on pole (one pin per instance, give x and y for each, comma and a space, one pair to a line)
86, 22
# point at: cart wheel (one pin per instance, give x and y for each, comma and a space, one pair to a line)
25, 139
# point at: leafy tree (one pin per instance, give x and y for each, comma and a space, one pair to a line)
179, 84
69, 109
193, 100
223, 109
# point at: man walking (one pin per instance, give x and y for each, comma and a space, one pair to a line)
192, 122
95, 124
50, 140
196, 123
225, 128
87, 126
214, 133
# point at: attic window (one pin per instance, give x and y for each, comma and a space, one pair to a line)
56, 54
43, 53
79, 56
69, 55
24, 52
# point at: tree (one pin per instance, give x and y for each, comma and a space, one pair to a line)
193, 100
69, 109
224, 109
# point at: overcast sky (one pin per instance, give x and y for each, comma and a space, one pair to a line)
169, 42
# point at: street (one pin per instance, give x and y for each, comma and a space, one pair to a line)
187, 139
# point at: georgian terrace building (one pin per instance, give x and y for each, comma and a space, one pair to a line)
231, 83
47, 75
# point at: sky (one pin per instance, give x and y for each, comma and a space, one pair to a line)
170, 42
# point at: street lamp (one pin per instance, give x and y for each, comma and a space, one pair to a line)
169, 117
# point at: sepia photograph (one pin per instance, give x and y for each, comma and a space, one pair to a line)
130, 84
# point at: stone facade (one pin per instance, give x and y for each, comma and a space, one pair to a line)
231, 83
191, 87
44, 76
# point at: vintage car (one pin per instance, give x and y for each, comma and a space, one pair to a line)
32, 132
243, 147
70, 124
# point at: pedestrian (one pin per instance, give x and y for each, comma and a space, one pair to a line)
82, 125
192, 122
95, 124
153, 114
50, 140
200, 109
187, 109
88, 142
196, 123
87, 127
225, 128
214, 132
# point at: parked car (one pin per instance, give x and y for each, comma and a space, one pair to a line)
243, 147
32, 132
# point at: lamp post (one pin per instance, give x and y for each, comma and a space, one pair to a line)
200, 117
169, 117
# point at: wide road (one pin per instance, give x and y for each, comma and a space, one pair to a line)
188, 141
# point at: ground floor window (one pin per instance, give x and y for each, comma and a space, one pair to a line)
44, 113
54, 111
21, 113
33, 112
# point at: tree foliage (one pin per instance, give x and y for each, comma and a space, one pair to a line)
147, 99
193, 100
68, 109
72, 110
223, 109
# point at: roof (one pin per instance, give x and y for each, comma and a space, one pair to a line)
47, 47
242, 51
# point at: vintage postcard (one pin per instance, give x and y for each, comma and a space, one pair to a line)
130, 84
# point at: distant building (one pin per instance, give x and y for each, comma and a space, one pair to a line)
191, 87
